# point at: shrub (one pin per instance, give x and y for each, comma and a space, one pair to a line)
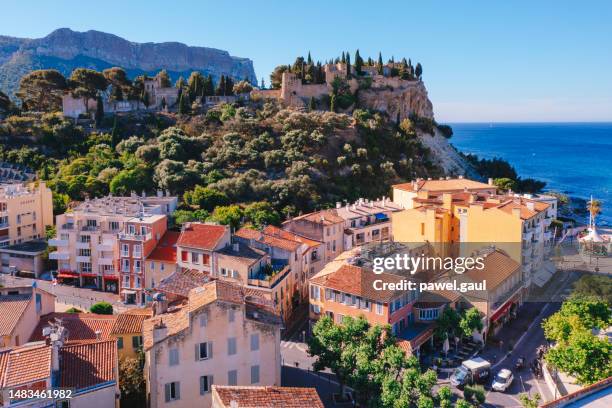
102, 308
74, 310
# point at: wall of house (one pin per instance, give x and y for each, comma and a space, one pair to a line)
28, 321
29, 210
97, 398
217, 330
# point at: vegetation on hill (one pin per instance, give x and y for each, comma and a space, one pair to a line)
504, 175
271, 161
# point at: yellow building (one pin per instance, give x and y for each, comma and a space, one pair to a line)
127, 330
25, 211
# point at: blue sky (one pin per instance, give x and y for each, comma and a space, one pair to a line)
482, 61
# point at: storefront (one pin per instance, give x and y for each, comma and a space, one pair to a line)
110, 284
68, 277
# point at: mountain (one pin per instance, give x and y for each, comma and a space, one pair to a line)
66, 50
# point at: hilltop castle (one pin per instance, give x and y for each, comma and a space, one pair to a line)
399, 97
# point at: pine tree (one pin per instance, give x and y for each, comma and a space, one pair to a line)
164, 104
309, 59
229, 86
183, 108
380, 64
312, 105
114, 134
343, 59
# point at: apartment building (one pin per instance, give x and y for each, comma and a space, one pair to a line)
324, 226
87, 238
137, 240
256, 271
225, 396
464, 222
348, 290
127, 331
20, 310
25, 211
161, 262
197, 243
221, 335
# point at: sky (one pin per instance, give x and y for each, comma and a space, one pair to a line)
483, 61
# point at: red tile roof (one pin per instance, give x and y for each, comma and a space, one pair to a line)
201, 236
80, 326
26, 364
131, 321
266, 397
323, 217
358, 281
12, 308
449, 185
182, 281
88, 364
165, 251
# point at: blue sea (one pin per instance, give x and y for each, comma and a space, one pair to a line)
573, 158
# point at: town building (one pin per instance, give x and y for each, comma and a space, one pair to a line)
87, 238
324, 226
25, 259
25, 212
221, 335
158, 97
197, 243
225, 396
161, 262
177, 286
20, 309
138, 238
127, 331
79, 327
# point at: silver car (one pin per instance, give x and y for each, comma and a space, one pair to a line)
502, 380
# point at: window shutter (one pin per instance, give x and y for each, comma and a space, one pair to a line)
167, 392
202, 385
197, 351
210, 349
177, 389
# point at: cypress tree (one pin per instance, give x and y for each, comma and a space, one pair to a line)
358, 62
380, 63
312, 105
183, 108
418, 70
309, 59
99, 110
221, 86
343, 59
114, 134
229, 86
348, 66
332, 103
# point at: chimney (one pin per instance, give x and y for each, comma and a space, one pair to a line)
338, 204
234, 404
428, 178
490, 181
98, 334
159, 331
448, 177
530, 205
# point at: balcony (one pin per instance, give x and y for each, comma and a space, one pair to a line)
67, 227
548, 221
109, 272
56, 242
59, 256
527, 235
4, 224
83, 245
135, 237
137, 254
84, 259
125, 254
105, 246
269, 277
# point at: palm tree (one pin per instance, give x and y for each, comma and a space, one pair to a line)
594, 209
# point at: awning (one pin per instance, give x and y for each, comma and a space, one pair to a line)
128, 292
89, 275
67, 276
502, 311
111, 278
381, 216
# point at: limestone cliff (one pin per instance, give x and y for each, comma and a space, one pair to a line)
446, 156
65, 50
397, 97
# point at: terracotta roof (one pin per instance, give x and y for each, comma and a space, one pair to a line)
290, 236
88, 364
165, 250
267, 397
245, 254
131, 321
325, 217
248, 233
497, 268
80, 326
177, 320
436, 298
201, 236
182, 281
456, 184
12, 308
358, 281
27, 364
522, 204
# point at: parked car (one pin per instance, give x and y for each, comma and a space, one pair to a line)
475, 370
502, 380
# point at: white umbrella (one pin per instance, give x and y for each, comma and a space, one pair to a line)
445, 346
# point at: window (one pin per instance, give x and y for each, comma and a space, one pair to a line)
254, 374
379, 308
173, 391
203, 320
162, 267
126, 281
119, 342
231, 315
206, 382
232, 377
428, 314
152, 266
92, 223
38, 303
184, 256
136, 341
137, 266
113, 225
195, 257
203, 351
231, 346
84, 252
125, 265
223, 272
125, 250
85, 239
422, 228
174, 356
205, 259
254, 341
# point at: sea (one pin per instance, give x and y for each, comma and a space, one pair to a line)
572, 158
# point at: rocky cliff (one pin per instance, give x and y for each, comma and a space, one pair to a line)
397, 98
65, 50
